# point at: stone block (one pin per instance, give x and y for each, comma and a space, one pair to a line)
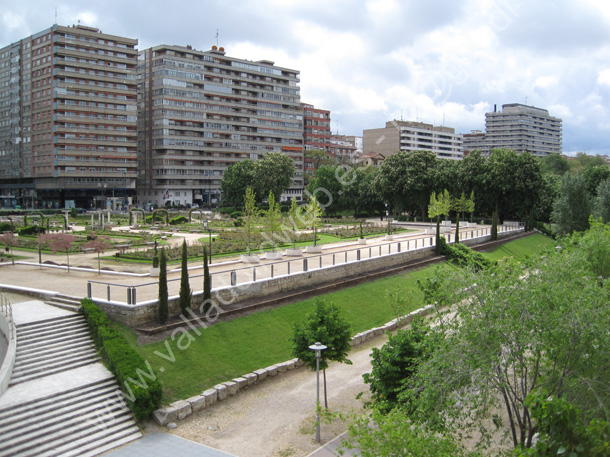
222, 391
231, 387
197, 403
183, 407
281, 367
210, 395
251, 378
241, 382
271, 370
260, 374
298, 363
290, 364
164, 416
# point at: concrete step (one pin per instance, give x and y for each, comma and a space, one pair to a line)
52, 370
25, 352
50, 359
92, 416
50, 321
45, 404
66, 336
69, 306
51, 327
100, 448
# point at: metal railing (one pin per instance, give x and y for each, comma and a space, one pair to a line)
260, 270
7, 311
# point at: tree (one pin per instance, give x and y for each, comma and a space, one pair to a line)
250, 215
554, 164
207, 283
273, 173
394, 362
163, 306
9, 240
512, 334
601, 204
314, 159
185, 294
462, 205
594, 176
572, 208
99, 244
439, 207
324, 325
312, 216
272, 219
294, 216
327, 188
235, 180
494, 226
58, 242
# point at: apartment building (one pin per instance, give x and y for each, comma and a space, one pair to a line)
413, 136
68, 119
523, 128
475, 140
202, 111
343, 148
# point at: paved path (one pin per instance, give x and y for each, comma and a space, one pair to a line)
164, 445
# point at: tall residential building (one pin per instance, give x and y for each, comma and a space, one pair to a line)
316, 132
413, 136
68, 118
475, 140
523, 128
343, 148
202, 111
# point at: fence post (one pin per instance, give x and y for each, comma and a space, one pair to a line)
129, 295
430, 241
398, 247
380, 250
133, 295
271, 271
369, 253
289, 267
253, 274
233, 278
333, 260
345, 256
304, 264
88, 290
108, 291
358, 254
320, 261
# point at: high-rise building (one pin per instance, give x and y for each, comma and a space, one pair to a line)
343, 148
202, 111
523, 128
316, 132
475, 140
413, 136
68, 119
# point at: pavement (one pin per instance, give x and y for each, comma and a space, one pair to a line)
163, 445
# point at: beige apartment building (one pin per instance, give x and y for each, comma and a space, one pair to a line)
68, 119
202, 111
413, 136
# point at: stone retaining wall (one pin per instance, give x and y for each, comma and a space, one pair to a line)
180, 409
6, 370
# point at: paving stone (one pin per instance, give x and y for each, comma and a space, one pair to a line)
260, 374
183, 407
197, 403
222, 391
165, 415
271, 370
241, 382
281, 367
210, 395
231, 387
250, 378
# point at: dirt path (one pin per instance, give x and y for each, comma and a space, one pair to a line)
276, 418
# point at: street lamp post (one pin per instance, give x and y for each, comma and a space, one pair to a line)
318, 348
209, 229
39, 246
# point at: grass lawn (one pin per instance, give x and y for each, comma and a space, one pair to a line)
229, 349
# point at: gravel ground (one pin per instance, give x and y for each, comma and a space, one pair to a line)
276, 418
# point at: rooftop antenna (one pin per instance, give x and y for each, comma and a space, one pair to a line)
401, 115
417, 114
337, 126
443, 124
526, 99
216, 37
56, 15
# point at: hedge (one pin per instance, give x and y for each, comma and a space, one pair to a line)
463, 256
142, 394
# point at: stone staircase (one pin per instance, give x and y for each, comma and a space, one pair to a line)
52, 346
61, 401
64, 302
84, 421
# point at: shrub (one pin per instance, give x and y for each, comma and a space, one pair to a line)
464, 256
179, 220
235, 214
30, 230
143, 396
6, 227
239, 222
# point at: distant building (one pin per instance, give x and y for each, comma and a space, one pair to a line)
316, 131
475, 140
523, 128
343, 148
68, 119
374, 159
202, 111
413, 136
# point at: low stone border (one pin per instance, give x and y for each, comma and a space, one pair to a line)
180, 409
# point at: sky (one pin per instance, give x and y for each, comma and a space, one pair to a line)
445, 62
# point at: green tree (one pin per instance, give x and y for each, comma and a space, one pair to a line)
572, 207
294, 216
314, 159
273, 173
554, 164
185, 294
439, 207
325, 325
207, 282
272, 220
462, 205
327, 188
312, 216
594, 176
99, 244
235, 180
163, 307
250, 216
513, 334
601, 204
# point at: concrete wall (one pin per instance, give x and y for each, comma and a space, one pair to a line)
6, 370
134, 315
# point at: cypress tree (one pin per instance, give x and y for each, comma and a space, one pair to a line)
494, 226
163, 294
185, 291
207, 283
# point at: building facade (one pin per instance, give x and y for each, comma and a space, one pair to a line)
316, 133
523, 128
68, 119
475, 140
413, 136
202, 111
343, 149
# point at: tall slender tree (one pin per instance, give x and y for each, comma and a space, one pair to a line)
439, 206
163, 310
186, 294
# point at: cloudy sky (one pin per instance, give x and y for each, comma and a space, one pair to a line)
369, 61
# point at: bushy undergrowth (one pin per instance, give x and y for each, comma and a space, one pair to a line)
463, 256
143, 396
